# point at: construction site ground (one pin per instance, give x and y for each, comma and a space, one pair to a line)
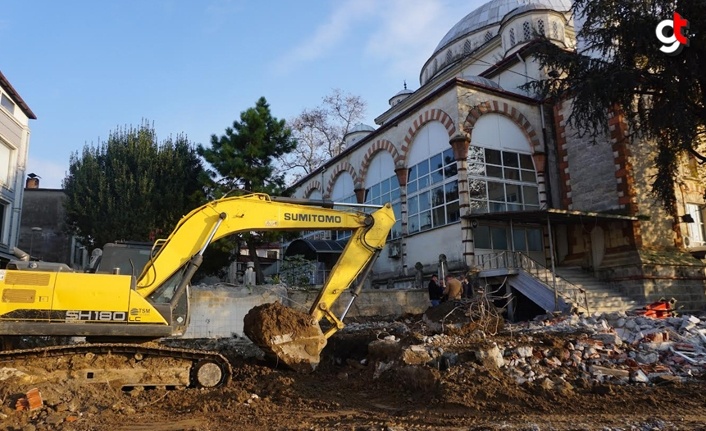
412, 377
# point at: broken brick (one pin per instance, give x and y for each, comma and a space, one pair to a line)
31, 401
34, 399
22, 404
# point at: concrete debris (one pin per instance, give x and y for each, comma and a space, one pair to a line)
490, 356
416, 355
603, 348
7, 373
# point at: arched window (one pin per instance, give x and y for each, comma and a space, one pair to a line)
436, 65
501, 180
512, 37
467, 47
488, 36
432, 193
387, 191
501, 172
343, 191
449, 56
540, 27
555, 30
526, 31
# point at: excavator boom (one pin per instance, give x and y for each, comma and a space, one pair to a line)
294, 340
258, 212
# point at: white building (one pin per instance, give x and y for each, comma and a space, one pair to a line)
14, 147
483, 172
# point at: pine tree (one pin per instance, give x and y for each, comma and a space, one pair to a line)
242, 161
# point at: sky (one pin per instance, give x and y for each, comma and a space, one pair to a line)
86, 67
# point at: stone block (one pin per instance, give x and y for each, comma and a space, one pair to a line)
415, 355
608, 338
490, 356
613, 372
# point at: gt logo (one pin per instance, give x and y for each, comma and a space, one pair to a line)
673, 43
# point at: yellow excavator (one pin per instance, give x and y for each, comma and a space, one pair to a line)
115, 310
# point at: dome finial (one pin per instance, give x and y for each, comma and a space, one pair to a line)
405, 84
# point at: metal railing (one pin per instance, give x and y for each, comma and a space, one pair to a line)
515, 260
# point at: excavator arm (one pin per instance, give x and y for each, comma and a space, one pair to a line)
182, 250
294, 338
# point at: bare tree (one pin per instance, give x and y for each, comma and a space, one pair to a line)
319, 132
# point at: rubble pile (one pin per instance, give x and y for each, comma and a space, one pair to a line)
613, 348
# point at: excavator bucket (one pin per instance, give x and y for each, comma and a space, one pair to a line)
291, 337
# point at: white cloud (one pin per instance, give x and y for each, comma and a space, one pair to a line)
342, 20
409, 30
403, 36
406, 35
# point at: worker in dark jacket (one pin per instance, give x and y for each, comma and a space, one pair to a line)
435, 291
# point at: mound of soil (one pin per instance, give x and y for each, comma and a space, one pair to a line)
285, 335
533, 385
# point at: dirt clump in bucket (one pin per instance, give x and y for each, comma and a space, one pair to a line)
289, 336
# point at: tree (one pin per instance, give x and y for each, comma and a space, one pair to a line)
243, 158
131, 187
320, 131
243, 162
622, 67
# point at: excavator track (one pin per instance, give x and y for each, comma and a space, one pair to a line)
121, 364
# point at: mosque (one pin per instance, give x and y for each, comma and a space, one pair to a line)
487, 179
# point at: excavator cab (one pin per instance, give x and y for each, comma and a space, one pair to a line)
122, 257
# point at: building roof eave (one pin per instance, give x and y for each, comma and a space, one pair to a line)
552, 215
4, 83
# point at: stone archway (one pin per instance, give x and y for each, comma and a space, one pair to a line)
502, 108
376, 147
422, 119
312, 187
338, 170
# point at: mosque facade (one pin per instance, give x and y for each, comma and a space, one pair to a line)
483, 176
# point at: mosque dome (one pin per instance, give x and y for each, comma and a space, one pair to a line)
481, 81
360, 127
491, 22
492, 13
358, 132
401, 95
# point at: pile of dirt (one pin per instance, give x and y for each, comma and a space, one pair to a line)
402, 375
285, 335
